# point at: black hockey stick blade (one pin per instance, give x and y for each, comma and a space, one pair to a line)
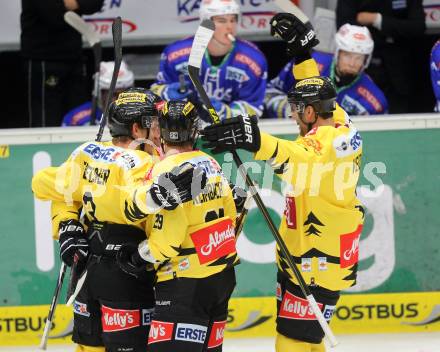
204, 33
117, 44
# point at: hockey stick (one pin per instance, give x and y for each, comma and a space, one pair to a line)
202, 37
290, 7
95, 43
53, 305
242, 217
117, 43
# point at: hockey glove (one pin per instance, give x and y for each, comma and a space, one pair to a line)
300, 37
71, 241
130, 262
180, 185
240, 196
239, 132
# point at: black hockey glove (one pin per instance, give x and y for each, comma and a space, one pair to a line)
240, 196
131, 263
300, 37
240, 132
180, 185
71, 241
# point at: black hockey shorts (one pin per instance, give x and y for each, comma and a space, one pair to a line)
190, 314
113, 309
295, 318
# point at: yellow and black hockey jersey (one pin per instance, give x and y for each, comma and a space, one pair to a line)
197, 239
323, 219
93, 178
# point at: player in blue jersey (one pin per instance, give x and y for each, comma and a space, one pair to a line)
357, 94
435, 73
233, 71
80, 115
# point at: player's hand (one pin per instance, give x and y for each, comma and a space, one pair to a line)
239, 132
366, 18
174, 91
130, 262
71, 241
300, 37
180, 185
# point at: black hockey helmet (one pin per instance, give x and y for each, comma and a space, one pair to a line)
318, 92
133, 105
178, 121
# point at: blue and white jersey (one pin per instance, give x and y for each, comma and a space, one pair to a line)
361, 97
238, 83
80, 116
435, 73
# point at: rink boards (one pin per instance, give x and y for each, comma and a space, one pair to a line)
255, 317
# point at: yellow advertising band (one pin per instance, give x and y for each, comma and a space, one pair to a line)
255, 317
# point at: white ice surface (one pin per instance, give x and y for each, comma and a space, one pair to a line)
414, 342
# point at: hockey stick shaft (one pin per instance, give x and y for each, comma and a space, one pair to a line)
117, 43
95, 93
290, 7
53, 305
203, 35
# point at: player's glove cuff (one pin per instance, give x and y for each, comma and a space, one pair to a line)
239, 132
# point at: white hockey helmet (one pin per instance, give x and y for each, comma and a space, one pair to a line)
354, 39
211, 8
125, 77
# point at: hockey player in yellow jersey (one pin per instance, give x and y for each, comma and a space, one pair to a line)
323, 219
193, 246
113, 309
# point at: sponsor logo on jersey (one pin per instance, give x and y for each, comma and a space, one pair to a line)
279, 292
147, 315
290, 212
364, 92
81, 309
236, 74
160, 331
217, 334
100, 152
178, 54
353, 106
214, 241
184, 264
306, 264
346, 145
322, 263
328, 312
191, 333
244, 59
311, 143
350, 248
119, 319
293, 307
